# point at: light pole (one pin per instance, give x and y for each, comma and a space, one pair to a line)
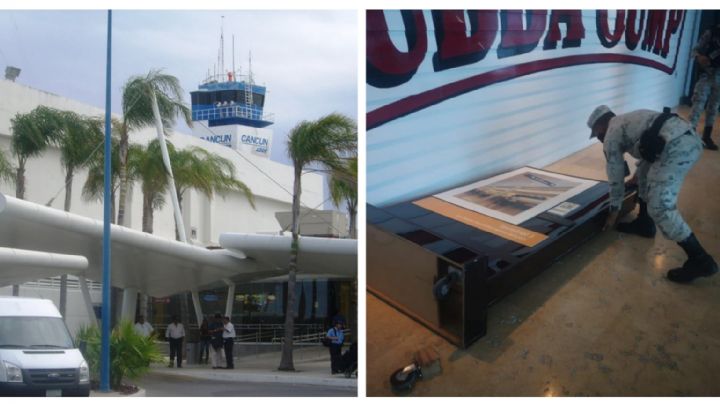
106, 280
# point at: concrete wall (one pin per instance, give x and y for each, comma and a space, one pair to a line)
456, 96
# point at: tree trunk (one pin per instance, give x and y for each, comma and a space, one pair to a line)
352, 211
147, 227
20, 180
63, 278
177, 231
123, 150
147, 216
185, 319
143, 305
286, 361
20, 194
112, 203
68, 189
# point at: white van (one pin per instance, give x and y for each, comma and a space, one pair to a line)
37, 353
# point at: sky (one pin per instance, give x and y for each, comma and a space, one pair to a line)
307, 59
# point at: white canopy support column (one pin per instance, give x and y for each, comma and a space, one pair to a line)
86, 299
196, 305
230, 297
129, 304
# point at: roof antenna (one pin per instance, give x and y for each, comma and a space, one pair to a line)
250, 76
222, 46
233, 55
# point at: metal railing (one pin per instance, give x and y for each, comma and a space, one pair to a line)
266, 333
232, 111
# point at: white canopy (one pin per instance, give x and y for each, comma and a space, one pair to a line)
152, 264
318, 255
18, 265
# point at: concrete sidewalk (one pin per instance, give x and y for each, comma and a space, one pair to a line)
312, 366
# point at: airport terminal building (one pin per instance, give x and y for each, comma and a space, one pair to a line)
229, 122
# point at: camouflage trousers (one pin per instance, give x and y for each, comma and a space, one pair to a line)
707, 86
660, 182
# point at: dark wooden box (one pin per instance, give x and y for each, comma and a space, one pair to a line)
445, 274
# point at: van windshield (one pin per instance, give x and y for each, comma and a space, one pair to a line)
34, 333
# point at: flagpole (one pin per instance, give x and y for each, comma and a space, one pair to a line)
106, 280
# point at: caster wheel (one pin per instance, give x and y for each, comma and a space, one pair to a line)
443, 286
403, 380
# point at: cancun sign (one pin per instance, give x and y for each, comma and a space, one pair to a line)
485, 47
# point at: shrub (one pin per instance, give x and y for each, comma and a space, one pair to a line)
130, 353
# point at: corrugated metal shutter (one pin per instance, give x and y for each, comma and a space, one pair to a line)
531, 120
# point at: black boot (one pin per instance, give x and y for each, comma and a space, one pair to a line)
643, 225
699, 262
707, 140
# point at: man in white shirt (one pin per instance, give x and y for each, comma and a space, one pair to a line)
175, 334
143, 328
228, 339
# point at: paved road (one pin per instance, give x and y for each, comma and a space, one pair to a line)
180, 386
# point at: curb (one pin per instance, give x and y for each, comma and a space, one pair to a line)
140, 393
271, 377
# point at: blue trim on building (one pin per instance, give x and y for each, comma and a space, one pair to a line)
239, 121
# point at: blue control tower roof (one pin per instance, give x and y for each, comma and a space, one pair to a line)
230, 102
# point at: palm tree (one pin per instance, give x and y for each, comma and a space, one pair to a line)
32, 133
323, 142
343, 187
139, 95
78, 139
94, 187
205, 172
146, 165
7, 171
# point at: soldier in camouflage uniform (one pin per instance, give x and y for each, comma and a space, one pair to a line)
659, 182
707, 56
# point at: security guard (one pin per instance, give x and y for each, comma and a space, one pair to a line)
659, 182
707, 56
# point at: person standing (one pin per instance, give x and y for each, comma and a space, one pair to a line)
707, 56
143, 328
205, 338
336, 335
175, 334
665, 159
216, 341
228, 341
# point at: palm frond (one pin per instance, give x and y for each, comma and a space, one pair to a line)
33, 132
325, 141
343, 183
7, 171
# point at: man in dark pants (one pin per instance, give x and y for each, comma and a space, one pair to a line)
707, 88
336, 337
216, 343
175, 334
228, 340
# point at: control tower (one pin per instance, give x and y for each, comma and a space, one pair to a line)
228, 108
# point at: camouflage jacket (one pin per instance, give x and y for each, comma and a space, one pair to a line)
709, 45
623, 136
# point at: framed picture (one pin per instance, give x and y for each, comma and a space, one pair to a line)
518, 195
